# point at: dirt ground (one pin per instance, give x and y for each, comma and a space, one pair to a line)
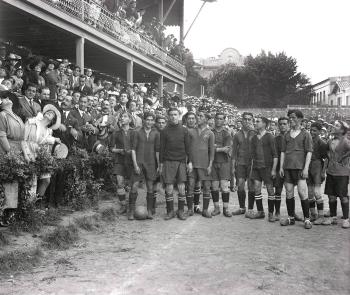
198, 256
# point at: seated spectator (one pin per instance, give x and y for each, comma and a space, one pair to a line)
136, 121
13, 62
28, 108
56, 79
83, 88
34, 76
89, 78
18, 81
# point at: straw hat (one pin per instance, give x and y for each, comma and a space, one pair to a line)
51, 107
60, 151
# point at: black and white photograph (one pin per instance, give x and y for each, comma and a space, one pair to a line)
174, 147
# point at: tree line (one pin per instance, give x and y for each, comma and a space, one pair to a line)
266, 80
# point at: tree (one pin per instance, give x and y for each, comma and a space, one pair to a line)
193, 80
267, 80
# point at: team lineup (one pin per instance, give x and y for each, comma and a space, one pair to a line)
195, 158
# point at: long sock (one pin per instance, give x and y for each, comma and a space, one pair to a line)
225, 198
251, 199
259, 204
306, 208
271, 203
155, 194
189, 200
241, 199
345, 207
320, 207
215, 196
277, 204
333, 208
290, 207
149, 200
206, 200
181, 202
169, 198
196, 195
312, 204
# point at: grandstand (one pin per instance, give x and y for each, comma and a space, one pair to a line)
92, 36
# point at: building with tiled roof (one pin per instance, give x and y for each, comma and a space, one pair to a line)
333, 91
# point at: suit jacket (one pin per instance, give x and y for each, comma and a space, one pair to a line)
73, 81
54, 78
25, 110
65, 136
90, 82
86, 90
85, 139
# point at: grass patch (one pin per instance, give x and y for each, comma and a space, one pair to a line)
35, 220
88, 223
51, 217
32, 223
19, 260
109, 214
61, 238
3, 240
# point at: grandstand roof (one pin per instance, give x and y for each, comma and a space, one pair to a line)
175, 17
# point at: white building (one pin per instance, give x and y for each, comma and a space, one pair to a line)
340, 95
333, 91
207, 66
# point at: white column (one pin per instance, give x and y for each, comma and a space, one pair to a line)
160, 85
130, 72
79, 52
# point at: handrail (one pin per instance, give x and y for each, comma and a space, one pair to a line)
102, 20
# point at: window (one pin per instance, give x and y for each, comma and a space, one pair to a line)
331, 102
339, 101
347, 101
324, 97
317, 99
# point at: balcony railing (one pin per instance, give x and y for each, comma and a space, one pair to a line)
104, 21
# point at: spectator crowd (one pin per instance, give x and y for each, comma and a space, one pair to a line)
111, 15
194, 144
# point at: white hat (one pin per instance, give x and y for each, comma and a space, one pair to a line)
51, 107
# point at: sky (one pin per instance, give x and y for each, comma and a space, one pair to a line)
315, 32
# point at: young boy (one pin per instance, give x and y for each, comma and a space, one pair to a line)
283, 126
120, 146
338, 172
174, 152
264, 158
295, 160
145, 158
202, 150
316, 177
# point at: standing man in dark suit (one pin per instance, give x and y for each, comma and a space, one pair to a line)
69, 129
56, 79
28, 108
83, 88
87, 137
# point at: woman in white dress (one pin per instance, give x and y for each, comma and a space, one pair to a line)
37, 134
